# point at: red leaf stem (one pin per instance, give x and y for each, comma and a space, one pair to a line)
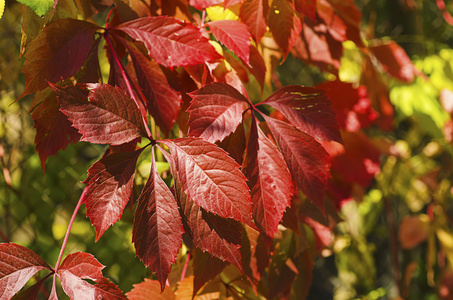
66, 237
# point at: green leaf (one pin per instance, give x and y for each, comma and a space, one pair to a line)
40, 7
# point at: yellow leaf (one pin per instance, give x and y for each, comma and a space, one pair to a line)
2, 7
216, 13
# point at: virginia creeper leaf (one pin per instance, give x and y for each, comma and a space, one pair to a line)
31, 292
307, 160
253, 13
351, 105
211, 178
205, 268
284, 25
308, 109
57, 53
81, 265
269, 181
235, 144
150, 289
201, 4
108, 116
335, 25
347, 11
317, 46
307, 8
17, 265
257, 66
157, 230
394, 60
215, 111
53, 129
357, 161
109, 188
234, 35
170, 41
163, 101
218, 236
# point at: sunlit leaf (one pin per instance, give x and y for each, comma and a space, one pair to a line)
170, 41
107, 116
211, 178
109, 188
17, 265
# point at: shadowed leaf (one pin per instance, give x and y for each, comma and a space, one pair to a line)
307, 160
157, 230
308, 109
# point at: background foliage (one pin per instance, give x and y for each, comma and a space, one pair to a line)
392, 236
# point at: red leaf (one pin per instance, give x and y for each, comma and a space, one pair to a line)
229, 3
17, 265
215, 111
80, 265
83, 265
170, 41
307, 8
211, 178
30, 292
394, 60
108, 116
234, 35
150, 289
163, 101
218, 236
307, 160
351, 106
253, 13
53, 129
235, 144
334, 11
109, 187
269, 181
257, 66
317, 46
357, 161
284, 25
201, 4
205, 268
308, 109
157, 231
57, 53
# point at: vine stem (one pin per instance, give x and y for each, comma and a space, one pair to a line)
126, 80
66, 237
184, 270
